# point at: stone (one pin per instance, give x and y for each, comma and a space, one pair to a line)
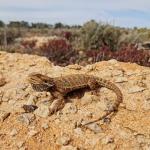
135, 89
130, 73
9, 94
93, 127
106, 74
141, 138
6, 96
88, 98
29, 108
13, 132
11, 102
117, 73
88, 114
69, 108
63, 140
45, 126
32, 133
121, 79
113, 61
78, 131
68, 147
23, 148
42, 111
26, 118
20, 144
3, 115
107, 140
21, 86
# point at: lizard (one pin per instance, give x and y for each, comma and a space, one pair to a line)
59, 87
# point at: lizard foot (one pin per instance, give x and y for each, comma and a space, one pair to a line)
56, 105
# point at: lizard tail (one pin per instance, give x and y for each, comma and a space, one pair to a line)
113, 87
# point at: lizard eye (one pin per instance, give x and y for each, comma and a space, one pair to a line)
49, 84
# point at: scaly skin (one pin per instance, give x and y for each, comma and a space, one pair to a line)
60, 86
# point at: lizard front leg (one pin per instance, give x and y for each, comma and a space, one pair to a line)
57, 104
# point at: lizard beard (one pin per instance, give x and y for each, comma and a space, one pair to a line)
40, 88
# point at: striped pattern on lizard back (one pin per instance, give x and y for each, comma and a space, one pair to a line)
66, 84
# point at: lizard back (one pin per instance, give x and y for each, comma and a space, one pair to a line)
70, 83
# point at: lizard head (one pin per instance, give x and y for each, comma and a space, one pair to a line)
40, 82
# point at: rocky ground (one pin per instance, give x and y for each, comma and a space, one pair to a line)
128, 129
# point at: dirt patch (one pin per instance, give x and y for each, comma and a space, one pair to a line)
128, 129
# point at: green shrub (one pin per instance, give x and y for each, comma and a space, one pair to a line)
96, 35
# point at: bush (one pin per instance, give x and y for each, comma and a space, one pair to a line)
96, 35
66, 34
58, 51
126, 54
11, 35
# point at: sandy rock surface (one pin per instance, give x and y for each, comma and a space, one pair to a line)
128, 129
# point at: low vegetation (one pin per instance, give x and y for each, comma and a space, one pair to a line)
85, 44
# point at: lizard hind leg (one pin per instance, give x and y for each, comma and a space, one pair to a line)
92, 83
56, 105
94, 86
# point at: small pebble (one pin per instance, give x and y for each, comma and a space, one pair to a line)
13, 132
26, 118
64, 139
113, 61
107, 140
42, 111
45, 126
4, 115
32, 133
135, 89
29, 108
70, 109
121, 79
94, 127
20, 144
78, 131
68, 147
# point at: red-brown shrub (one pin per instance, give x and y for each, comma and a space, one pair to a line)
58, 51
66, 34
126, 54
